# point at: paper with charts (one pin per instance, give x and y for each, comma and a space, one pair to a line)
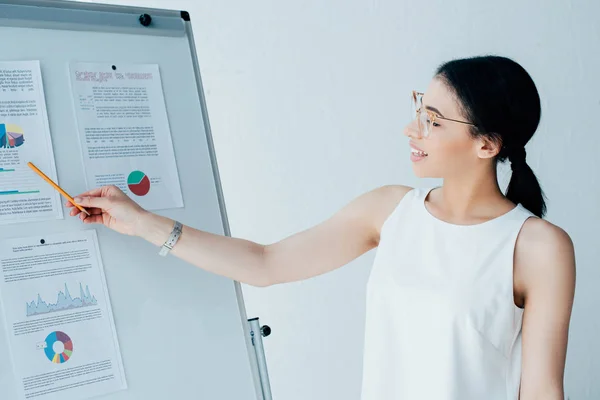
58, 318
124, 132
24, 137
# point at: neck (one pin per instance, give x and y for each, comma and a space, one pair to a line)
468, 194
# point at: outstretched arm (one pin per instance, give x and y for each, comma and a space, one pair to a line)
350, 232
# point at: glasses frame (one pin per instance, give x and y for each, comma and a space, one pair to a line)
418, 105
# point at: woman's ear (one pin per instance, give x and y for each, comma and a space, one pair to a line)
488, 146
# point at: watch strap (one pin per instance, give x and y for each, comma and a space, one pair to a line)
173, 238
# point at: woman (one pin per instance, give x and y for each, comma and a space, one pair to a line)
471, 291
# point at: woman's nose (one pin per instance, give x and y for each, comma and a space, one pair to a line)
412, 131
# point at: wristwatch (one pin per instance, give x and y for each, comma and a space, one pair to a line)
175, 234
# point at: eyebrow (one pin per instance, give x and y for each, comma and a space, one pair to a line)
435, 110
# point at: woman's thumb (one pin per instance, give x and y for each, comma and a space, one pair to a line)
96, 202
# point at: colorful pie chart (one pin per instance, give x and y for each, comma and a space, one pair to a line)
11, 136
139, 183
67, 344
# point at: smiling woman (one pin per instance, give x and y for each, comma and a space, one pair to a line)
471, 291
478, 289
492, 99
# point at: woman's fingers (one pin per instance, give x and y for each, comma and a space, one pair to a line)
93, 202
92, 219
97, 192
94, 192
93, 211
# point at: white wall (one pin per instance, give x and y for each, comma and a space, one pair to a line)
307, 102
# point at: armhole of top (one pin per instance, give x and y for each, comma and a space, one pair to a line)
513, 242
408, 197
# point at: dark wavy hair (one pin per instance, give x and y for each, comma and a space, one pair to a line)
500, 98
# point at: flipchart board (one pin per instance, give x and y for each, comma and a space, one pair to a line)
181, 332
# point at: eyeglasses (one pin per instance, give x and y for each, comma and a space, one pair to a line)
427, 118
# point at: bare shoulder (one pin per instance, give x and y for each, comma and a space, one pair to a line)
366, 213
541, 236
544, 252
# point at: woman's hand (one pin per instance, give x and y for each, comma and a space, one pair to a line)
109, 206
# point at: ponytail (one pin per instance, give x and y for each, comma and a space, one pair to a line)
524, 187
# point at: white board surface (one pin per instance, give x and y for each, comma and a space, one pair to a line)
181, 330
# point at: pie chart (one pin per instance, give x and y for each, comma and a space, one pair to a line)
138, 183
62, 341
11, 136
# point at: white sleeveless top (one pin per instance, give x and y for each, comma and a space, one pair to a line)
441, 320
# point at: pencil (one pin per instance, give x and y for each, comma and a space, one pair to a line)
51, 182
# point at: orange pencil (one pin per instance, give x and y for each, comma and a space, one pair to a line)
40, 173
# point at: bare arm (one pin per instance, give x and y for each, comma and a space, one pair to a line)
545, 254
350, 232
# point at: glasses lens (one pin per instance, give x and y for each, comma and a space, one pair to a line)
420, 114
424, 123
414, 106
